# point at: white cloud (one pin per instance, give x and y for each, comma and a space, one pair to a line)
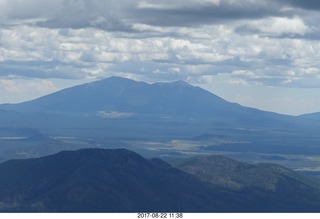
281, 25
204, 79
19, 87
42, 86
9, 85
86, 53
245, 73
16, 90
238, 82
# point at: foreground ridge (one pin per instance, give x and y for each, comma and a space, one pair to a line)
119, 180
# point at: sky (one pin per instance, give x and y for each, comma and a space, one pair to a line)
259, 53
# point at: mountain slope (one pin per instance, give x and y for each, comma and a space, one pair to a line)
120, 98
96, 180
273, 183
237, 175
123, 95
122, 109
315, 117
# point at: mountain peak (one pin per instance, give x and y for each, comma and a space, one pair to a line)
118, 79
123, 80
178, 82
113, 80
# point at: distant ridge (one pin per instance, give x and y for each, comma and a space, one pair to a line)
237, 175
311, 116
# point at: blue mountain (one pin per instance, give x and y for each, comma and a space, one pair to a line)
117, 94
124, 109
120, 94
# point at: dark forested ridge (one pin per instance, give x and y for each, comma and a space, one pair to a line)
236, 175
100, 180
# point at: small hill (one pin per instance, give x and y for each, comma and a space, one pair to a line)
274, 179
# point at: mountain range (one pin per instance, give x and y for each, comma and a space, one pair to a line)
119, 112
64, 152
119, 180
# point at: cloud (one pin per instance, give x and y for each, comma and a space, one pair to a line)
8, 85
299, 77
192, 40
189, 13
39, 69
305, 4
113, 16
16, 90
277, 26
65, 13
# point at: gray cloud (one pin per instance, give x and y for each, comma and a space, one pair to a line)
40, 69
105, 14
203, 12
303, 4
114, 16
